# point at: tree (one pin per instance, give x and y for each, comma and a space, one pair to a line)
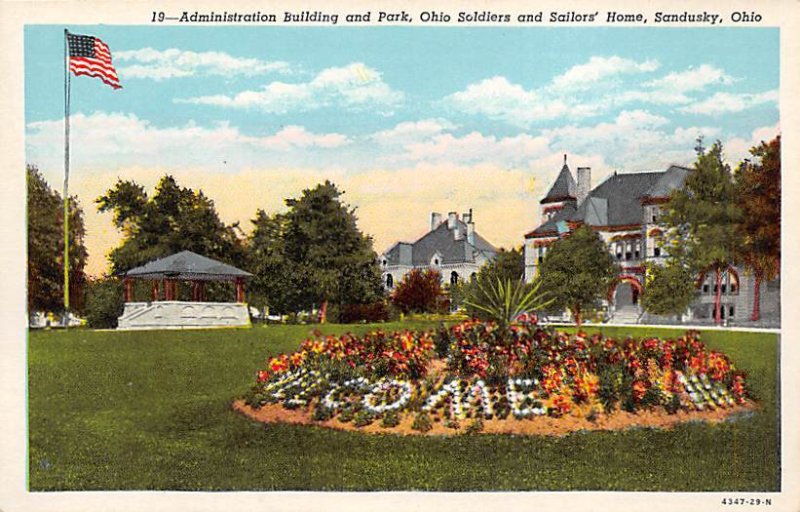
313, 254
703, 218
669, 289
577, 271
759, 194
174, 219
274, 282
420, 291
46, 246
104, 303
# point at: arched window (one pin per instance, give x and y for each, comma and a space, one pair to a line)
453, 278
389, 281
472, 276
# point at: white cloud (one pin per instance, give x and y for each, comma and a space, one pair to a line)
126, 140
737, 148
476, 148
499, 99
693, 79
353, 86
587, 75
298, 137
723, 102
634, 141
412, 131
174, 63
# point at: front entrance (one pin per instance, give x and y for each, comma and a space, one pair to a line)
626, 295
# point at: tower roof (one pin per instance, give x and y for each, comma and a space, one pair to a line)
563, 188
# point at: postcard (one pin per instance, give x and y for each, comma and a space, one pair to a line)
303, 256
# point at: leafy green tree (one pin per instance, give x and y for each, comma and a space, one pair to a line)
420, 291
274, 283
104, 304
759, 195
174, 219
46, 247
704, 219
313, 254
669, 289
577, 271
507, 265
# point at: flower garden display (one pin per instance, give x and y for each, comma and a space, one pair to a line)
503, 378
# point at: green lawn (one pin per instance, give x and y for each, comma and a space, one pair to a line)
126, 410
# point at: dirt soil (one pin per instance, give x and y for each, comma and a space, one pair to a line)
540, 425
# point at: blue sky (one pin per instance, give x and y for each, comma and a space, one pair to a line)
406, 119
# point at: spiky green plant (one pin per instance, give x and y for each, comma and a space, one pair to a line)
506, 300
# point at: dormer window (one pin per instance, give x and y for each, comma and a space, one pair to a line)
436, 261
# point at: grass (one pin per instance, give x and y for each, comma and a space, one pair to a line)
138, 411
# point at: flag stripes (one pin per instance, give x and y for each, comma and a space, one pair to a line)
89, 56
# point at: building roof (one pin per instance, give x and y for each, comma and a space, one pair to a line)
440, 240
671, 179
551, 226
617, 201
563, 188
189, 266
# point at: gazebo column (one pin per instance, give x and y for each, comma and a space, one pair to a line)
198, 291
170, 289
240, 290
127, 290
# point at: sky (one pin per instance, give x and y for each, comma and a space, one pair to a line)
405, 120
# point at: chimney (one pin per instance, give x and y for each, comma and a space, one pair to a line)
436, 219
452, 220
471, 232
584, 183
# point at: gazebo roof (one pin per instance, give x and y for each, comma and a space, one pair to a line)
188, 266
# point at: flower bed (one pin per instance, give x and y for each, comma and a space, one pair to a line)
493, 377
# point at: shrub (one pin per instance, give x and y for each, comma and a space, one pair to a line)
347, 415
369, 313
390, 419
362, 418
322, 413
503, 300
104, 303
420, 292
452, 423
422, 422
475, 427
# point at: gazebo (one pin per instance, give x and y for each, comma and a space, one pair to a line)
169, 312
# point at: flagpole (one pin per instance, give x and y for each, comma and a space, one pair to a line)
66, 175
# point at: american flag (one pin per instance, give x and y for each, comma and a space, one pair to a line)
90, 56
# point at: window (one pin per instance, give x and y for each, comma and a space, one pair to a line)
654, 214
730, 312
389, 281
472, 276
656, 251
384, 262
453, 278
436, 261
705, 287
636, 251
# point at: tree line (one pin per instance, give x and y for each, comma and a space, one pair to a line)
313, 255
